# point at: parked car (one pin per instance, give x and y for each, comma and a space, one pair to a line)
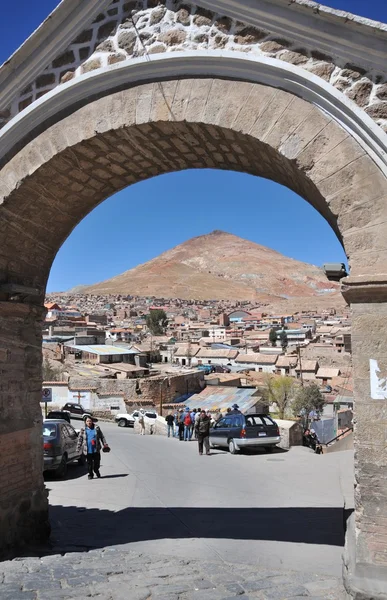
149, 415
59, 414
76, 411
237, 431
124, 420
60, 446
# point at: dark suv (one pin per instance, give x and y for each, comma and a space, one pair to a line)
236, 431
76, 411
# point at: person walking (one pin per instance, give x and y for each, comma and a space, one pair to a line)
91, 440
202, 427
187, 426
197, 416
170, 419
141, 422
181, 425
193, 416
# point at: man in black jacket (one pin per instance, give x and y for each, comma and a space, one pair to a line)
202, 427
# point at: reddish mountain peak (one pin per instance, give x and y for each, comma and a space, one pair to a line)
221, 265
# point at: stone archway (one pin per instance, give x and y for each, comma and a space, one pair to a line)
53, 181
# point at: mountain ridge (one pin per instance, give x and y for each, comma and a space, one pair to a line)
220, 266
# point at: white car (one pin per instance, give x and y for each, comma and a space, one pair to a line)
124, 420
128, 420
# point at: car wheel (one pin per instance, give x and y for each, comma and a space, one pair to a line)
122, 423
232, 447
269, 449
61, 471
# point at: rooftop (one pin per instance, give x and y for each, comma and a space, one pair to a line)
104, 350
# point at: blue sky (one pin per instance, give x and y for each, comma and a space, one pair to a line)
146, 219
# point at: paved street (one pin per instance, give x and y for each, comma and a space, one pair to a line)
164, 522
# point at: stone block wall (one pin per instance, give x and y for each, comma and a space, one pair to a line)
145, 392
129, 29
24, 506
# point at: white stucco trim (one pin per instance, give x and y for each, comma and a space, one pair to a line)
347, 37
228, 65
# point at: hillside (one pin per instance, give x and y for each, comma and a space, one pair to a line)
221, 266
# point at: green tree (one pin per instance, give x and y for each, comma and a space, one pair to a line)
284, 340
279, 391
273, 336
50, 373
308, 398
157, 321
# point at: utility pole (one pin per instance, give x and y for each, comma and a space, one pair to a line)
300, 361
189, 352
161, 396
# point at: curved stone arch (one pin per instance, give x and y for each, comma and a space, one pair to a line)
228, 65
325, 150
129, 135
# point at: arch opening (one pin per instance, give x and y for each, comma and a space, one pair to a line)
129, 136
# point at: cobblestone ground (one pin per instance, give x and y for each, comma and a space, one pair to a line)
113, 574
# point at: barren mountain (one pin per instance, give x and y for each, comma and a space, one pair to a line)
222, 266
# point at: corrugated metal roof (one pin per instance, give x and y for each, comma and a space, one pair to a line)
218, 397
103, 350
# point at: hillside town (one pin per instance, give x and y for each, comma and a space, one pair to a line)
120, 353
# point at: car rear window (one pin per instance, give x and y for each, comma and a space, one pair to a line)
49, 430
151, 415
254, 421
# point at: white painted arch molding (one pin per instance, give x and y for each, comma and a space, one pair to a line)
66, 98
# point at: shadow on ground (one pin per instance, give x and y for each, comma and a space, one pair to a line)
76, 528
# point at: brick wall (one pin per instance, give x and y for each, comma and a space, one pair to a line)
23, 497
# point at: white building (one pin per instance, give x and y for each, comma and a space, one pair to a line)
263, 363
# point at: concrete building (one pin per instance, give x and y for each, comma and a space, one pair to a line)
263, 363
102, 354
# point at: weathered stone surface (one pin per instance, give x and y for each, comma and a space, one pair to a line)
106, 46
249, 35
295, 58
157, 15
219, 41
64, 59
157, 49
127, 41
85, 36
183, 16
377, 110
360, 92
323, 70
224, 24
116, 58
45, 80
203, 17
381, 92
157, 18
271, 47
91, 143
107, 29
91, 65
173, 37
200, 38
68, 76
